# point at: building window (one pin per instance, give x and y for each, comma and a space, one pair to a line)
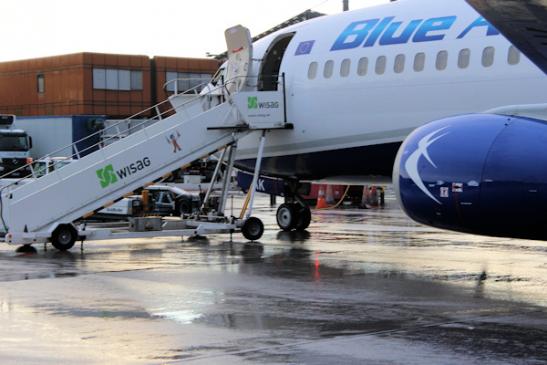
328, 69
399, 65
185, 81
345, 67
124, 80
111, 79
172, 80
513, 57
136, 80
488, 56
114, 79
380, 67
464, 58
362, 66
312, 71
442, 60
99, 78
40, 83
419, 62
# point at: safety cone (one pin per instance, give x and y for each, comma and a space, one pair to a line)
321, 202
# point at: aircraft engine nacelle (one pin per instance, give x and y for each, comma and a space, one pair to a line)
480, 173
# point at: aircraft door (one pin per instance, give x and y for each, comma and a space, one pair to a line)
240, 53
271, 63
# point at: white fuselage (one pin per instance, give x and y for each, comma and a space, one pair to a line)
343, 105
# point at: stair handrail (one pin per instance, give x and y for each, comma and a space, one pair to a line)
113, 126
223, 87
176, 80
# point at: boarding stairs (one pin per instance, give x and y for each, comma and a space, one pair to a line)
31, 209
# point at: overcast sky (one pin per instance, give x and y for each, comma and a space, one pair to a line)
37, 28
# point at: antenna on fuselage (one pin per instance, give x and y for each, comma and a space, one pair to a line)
345, 5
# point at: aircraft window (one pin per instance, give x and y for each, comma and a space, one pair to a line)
380, 67
329, 67
464, 57
513, 57
312, 71
399, 65
344, 67
419, 62
488, 56
362, 66
442, 60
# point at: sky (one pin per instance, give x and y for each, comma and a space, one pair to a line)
183, 28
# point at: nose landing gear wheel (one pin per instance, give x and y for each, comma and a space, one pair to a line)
253, 229
293, 216
286, 216
303, 218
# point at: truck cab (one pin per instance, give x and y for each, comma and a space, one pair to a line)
15, 145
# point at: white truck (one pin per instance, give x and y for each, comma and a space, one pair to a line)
15, 145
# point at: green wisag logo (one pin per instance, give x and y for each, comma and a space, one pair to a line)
106, 176
252, 102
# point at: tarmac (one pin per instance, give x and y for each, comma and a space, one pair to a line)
359, 287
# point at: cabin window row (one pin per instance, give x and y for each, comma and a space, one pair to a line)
441, 63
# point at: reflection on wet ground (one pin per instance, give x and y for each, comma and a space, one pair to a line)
358, 287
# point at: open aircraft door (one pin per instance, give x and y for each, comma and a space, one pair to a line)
240, 53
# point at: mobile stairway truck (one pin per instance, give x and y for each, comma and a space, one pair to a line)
54, 208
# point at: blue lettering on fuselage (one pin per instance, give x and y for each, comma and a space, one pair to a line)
389, 35
368, 33
354, 35
480, 22
424, 34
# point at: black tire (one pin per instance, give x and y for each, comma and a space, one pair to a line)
184, 208
64, 237
303, 218
253, 229
286, 216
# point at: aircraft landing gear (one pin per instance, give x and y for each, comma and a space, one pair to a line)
294, 213
293, 216
303, 217
286, 216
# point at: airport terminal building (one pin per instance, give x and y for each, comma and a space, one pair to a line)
113, 85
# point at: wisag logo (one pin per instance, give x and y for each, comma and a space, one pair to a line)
252, 102
107, 176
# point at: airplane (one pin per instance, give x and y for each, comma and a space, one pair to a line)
333, 98
359, 82
483, 173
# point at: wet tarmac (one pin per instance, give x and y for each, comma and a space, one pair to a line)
359, 287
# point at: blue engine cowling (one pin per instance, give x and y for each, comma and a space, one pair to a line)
479, 173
